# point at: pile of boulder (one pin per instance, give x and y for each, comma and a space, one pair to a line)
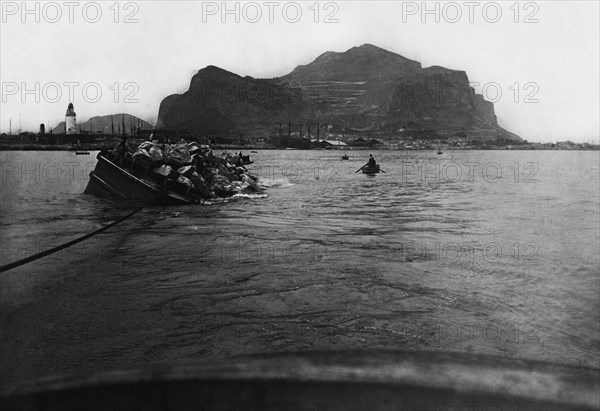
196, 166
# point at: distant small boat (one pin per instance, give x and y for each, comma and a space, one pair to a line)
345, 157
371, 169
253, 151
82, 153
440, 150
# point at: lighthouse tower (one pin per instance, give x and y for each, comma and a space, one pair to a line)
70, 121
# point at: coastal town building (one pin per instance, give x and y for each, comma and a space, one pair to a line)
361, 142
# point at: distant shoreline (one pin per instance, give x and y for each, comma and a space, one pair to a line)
37, 147
41, 147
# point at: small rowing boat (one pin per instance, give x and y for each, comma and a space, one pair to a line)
371, 169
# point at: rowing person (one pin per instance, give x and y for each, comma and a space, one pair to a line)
371, 162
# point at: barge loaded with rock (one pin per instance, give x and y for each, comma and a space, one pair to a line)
169, 174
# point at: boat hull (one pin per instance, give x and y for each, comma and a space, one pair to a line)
370, 170
110, 180
344, 380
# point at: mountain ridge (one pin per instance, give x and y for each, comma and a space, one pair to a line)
364, 88
104, 123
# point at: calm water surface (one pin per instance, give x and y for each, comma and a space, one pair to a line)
471, 251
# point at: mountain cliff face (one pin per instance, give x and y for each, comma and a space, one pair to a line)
365, 89
439, 94
220, 101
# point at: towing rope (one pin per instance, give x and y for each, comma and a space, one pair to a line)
73, 242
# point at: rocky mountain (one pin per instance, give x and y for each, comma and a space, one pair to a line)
220, 101
359, 64
104, 124
365, 90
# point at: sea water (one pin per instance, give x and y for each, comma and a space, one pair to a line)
492, 252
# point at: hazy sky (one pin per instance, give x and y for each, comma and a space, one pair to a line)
542, 56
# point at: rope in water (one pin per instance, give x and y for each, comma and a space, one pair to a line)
73, 242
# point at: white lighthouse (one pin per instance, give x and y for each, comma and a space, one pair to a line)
70, 121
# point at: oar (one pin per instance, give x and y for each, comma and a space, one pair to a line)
381, 170
361, 168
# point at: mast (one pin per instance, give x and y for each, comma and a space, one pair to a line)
112, 125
